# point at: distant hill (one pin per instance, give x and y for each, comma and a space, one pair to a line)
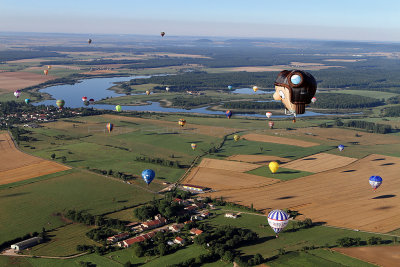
203, 41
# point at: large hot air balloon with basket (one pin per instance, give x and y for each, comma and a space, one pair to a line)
148, 176
278, 220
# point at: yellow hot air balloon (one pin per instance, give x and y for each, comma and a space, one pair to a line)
273, 166
236, 137
182, 122
147, 92
255, 88
49, 66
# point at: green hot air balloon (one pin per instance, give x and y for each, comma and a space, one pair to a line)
27, 100
118, 108
60, 103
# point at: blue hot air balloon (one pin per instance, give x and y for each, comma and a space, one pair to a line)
148, 176
340, 147
230, 87
27, 100
228, 114
375, 181
278, 219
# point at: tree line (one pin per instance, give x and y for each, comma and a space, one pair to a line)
366, 125
116, 174
160, 161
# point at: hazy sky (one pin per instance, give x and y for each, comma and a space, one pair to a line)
317, 19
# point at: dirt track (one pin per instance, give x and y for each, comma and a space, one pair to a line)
340, 197
387, 256
17, 166
319, 163
278, 140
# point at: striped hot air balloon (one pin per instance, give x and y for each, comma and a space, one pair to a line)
109, 127
193, 146
60, 103
375, 181
278, 219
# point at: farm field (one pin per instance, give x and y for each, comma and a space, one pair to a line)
10, 81
28, 208
25, 167
283, 174
227, 165
312, 195
379, 255
278, 140
257, 159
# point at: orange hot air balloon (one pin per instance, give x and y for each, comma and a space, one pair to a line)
182, 122
46, 72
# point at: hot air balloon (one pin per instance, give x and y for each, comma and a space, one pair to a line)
271, 124
17, 93
45, 72
167, 89
89, 41
49, 66
278, 219
295, 88
375, 181
27, 100
182, 122
84, 98
230, 87
236, 137
60, 103
91, 101
162, 34
118, 108
109, 127
314, 99
193, 146
340, 147
228, 114
255, 88
148, 176
268, 114
273, 166
147, 92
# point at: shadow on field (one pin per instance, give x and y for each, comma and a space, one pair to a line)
384, 196
384, 208
288, 172
15, 195
310, 159
388, 164
286, 197
349, 171
78, 160
378, 159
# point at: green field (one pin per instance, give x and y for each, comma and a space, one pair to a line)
30, 207
374, 94
282, 173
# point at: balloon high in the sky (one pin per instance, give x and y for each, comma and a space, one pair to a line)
27, 100
17, 93
84, 98
295, 88
228, 114
375, 181
118, 108
148, 176
268, 114
278, 219
273, 166
236, 137
162, 34
255, 88
193, 146
60, 103
182, 122
340, 147
230, 87
271, 124
89, 41
109, 127
46, 72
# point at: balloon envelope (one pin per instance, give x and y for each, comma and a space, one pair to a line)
91, 101
375, 181
148, 176
17, 93
118, 108
271, 124
230, 87
228, 114
109, 127
162, 34
46, 72
84, 98
182, 122
268, 114
60, 103
49, 66
273, 166
340, 147
193, 146
314, 99
89, 41
147, 92
27, 100
278, 219
255, 88
236, 137
167, 89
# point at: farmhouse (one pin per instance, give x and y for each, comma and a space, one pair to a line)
116, 238
231, 215
195, 231
190, 209
129, 242
26, 243
159, 221
176, 228
194, 188
179, 240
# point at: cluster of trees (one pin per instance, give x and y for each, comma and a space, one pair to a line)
349, 242
18, 135
221, 202
8, 55
159, 161
98, 220
100, 250
345, 101
369, 126
193, 101
393, 111
252, 105
100, 234
170, 210
116, 174
155, 247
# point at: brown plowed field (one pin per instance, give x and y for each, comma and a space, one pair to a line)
278, 140
220, 179
11, 81
319, 163
228, 165
387, 256
257, 159
340, 197
17, 166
